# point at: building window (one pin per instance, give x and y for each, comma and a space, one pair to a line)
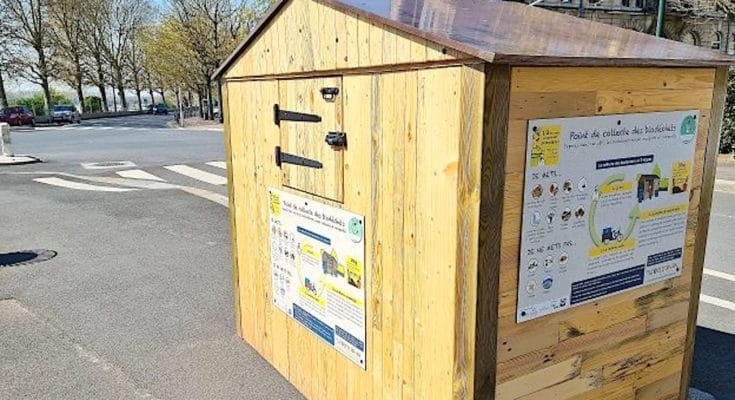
717, 42
625, 3
732, 44
639, 3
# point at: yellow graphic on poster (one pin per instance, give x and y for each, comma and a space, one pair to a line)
317, 261
680, 171
545, 146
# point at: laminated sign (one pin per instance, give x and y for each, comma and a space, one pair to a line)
318, 262
605, 206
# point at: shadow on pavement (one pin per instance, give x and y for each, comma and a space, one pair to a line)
714, 363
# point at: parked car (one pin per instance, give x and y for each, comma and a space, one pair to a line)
160, 109
18, 116
66, 113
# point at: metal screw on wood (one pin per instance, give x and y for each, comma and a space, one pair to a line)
5, 142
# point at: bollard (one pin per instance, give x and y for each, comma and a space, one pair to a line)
5, 141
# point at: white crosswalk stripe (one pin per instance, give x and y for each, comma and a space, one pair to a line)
197, 174
717, 302
718, 274
218, 164
139, 174
80, 186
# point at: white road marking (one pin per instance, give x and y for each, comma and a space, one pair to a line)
218, 164
139, 174
725, 186
79, 186
717, 302
719, 274
197, 174
108, 165
206, 194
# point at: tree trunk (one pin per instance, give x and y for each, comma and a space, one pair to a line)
210, 105
163, 96
114, 100
3, 95
140, 100
80, 96
103, 98
121, 92
153, 99
47, 96
201, 103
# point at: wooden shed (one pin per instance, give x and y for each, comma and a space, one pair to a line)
464, 199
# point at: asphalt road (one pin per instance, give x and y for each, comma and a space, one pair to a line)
138, 302
714, 368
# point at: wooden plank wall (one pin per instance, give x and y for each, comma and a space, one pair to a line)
309, 36
628, 346
413, 169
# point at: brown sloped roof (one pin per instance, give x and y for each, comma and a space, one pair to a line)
518, 34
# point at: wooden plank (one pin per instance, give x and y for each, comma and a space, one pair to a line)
666, 388
494, 140
409, 235
556, 79
541, 379
438, 111
229, 137
565, 390
472, 91
357, 119
708, 182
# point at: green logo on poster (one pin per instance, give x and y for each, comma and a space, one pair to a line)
355, 229
688, 129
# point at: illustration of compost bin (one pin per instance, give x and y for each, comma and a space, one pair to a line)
466, 199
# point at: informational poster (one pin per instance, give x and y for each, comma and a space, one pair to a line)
318, 264
605, 206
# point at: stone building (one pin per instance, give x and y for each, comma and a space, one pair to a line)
709, 29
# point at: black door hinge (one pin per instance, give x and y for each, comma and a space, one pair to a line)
286, 158
283, 115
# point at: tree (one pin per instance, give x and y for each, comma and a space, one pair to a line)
67, 31
7, 64
124, 19
211, 29
29, 26
134, 62
94, 33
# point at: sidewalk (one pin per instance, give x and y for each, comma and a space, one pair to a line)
198, 124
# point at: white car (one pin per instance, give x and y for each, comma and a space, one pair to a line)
65, 113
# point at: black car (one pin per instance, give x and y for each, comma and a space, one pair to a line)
156, 109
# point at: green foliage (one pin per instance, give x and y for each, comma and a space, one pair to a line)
36, 102
727, 143
92, 104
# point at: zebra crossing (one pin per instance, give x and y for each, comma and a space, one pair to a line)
97, 128
206, 180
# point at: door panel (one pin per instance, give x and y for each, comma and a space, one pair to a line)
306, 138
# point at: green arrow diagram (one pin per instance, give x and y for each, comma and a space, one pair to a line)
634, 215
594, 235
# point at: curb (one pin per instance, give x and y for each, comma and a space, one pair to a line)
18, 160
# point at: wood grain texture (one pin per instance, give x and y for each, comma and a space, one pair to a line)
709, 168
411, 144
309, 36
506, 33
632, 340
231, 199
494, 149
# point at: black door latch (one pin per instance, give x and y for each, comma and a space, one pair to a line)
283, 115
338, 140
286, 158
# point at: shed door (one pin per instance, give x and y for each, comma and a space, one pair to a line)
306, 116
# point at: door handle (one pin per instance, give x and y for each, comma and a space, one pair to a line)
338, 140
